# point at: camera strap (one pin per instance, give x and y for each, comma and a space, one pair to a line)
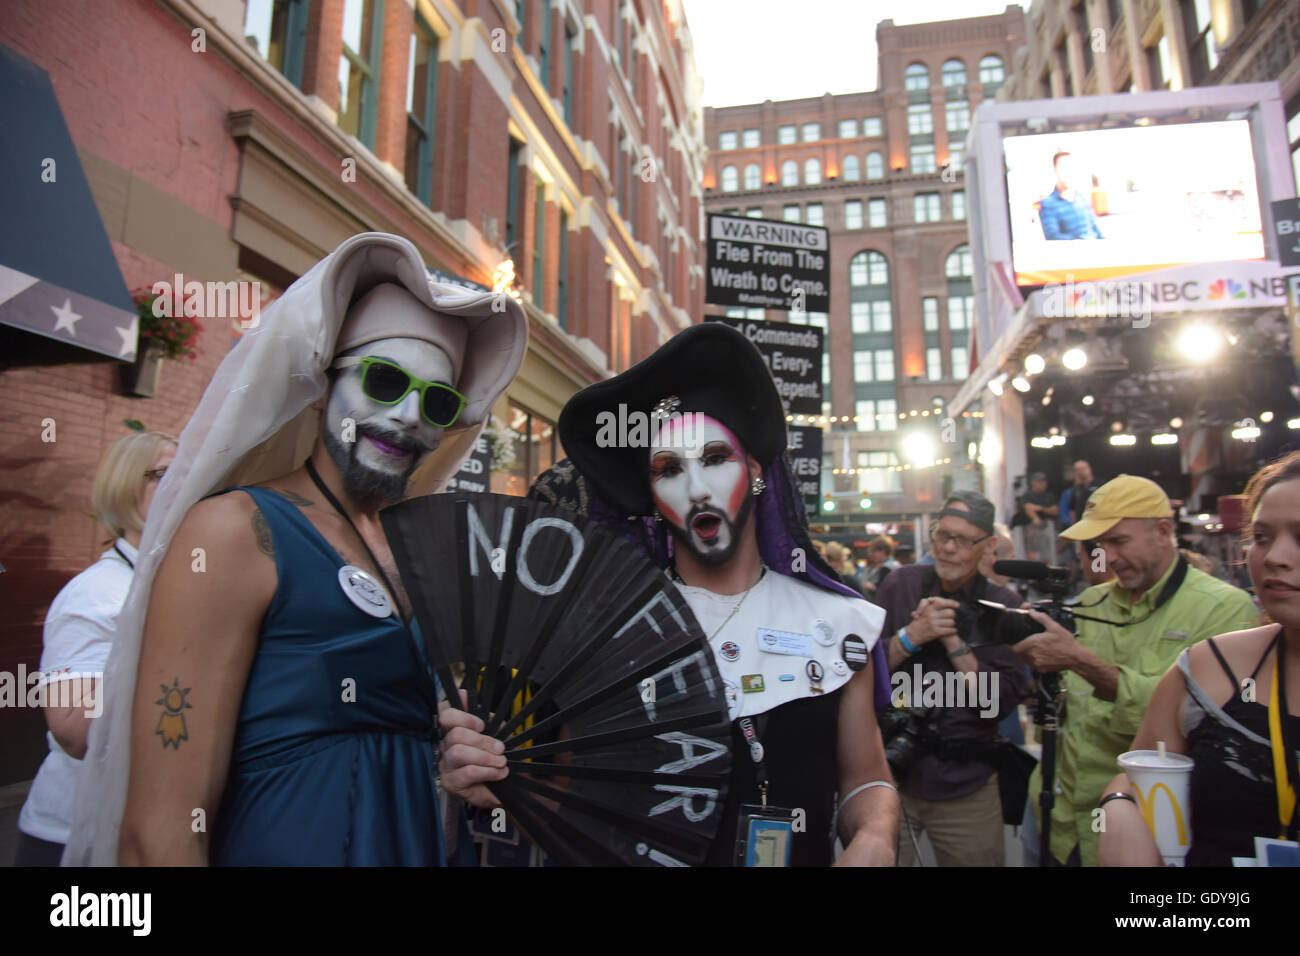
1286, 771
1171, 587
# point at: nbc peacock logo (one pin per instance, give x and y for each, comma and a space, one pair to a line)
1227, 289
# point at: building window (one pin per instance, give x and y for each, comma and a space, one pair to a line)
957, 115
878, 473
727, 140
753, 177
991, 69
957, 157
848, 129
359, 68
919, 119
961, 310
812, 172
754, 212
864, 364
1200, 40
875, 166
916, 78
729, 181
930, 309
871, 315
873, 365
512, 195
923, 158
959, 204
789, 173
884, 365
934, 364
960, 362
421, 101
539, 244
871, 126
569, 37
852, 172
534, 440
815, 215
561, 287
750, 139
876, 218
544, 46
277, 30
954, 73
812, 132
925, 207
877, 415
868, 268
958, 264
791, 213
785, 135
853, 214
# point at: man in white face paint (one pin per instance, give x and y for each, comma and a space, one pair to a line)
284, 691
794, 647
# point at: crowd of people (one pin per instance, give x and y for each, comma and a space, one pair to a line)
884, 707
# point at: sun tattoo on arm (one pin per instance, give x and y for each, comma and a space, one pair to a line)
171, 725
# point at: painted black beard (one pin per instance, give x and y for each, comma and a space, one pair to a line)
365, 485
714, 556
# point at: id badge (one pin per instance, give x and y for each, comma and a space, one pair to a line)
764, 836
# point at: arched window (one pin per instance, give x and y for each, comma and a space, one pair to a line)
851, 171
729, 181
958, 265
916, 77
954, 73
789, 173
991, 70
812, 172
868, 268
875, 166
753, 178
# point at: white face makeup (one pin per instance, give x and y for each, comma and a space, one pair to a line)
700, 483
391, 441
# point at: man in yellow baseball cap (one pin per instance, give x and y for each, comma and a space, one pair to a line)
1130, 630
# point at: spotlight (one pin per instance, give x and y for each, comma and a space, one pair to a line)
918, 448
1058, 439
1249, 433
1087, 399
1293, 423
1074, 359
1039, 442
1123, 439
1165, 438
1175, 423
1117, 427
1265, 417
996, 383
1034, 363
1053, 430
1020, 383
1199, 343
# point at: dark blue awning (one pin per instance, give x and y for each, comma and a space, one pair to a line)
58, 275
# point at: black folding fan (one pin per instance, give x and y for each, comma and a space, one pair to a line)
586, 661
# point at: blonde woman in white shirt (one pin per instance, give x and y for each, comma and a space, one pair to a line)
78, 633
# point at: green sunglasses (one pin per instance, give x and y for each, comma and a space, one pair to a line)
384, 382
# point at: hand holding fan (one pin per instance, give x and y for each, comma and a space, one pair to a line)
621, 752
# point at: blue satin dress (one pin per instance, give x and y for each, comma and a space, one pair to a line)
334, 755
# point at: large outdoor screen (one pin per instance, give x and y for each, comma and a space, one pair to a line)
1111, 202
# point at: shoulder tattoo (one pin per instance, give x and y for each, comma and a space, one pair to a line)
293, 498
262, 531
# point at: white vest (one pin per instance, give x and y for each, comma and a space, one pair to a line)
786, 634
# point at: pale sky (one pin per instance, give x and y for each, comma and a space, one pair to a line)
748, 51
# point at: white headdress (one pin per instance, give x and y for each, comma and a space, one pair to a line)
254, 423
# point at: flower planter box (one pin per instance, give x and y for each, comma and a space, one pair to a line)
140, 378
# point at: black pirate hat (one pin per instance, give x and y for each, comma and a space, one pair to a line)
709, 368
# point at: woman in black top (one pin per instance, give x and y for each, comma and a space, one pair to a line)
1202, 709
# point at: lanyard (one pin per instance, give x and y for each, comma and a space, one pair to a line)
756, 754
329, 496
1284, 773
122, 554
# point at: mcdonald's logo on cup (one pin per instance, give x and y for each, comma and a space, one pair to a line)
1162, 784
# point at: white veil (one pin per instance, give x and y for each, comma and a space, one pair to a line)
253, 423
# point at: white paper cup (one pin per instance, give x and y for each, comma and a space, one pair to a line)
1162, 785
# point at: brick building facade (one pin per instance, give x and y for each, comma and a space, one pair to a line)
882, 170
244, 139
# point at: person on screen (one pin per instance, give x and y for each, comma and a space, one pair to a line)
1066, 212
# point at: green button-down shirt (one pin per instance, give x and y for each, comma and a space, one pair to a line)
1096, 731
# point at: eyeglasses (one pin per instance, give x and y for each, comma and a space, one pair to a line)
387, 383
155, 474
941, 538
